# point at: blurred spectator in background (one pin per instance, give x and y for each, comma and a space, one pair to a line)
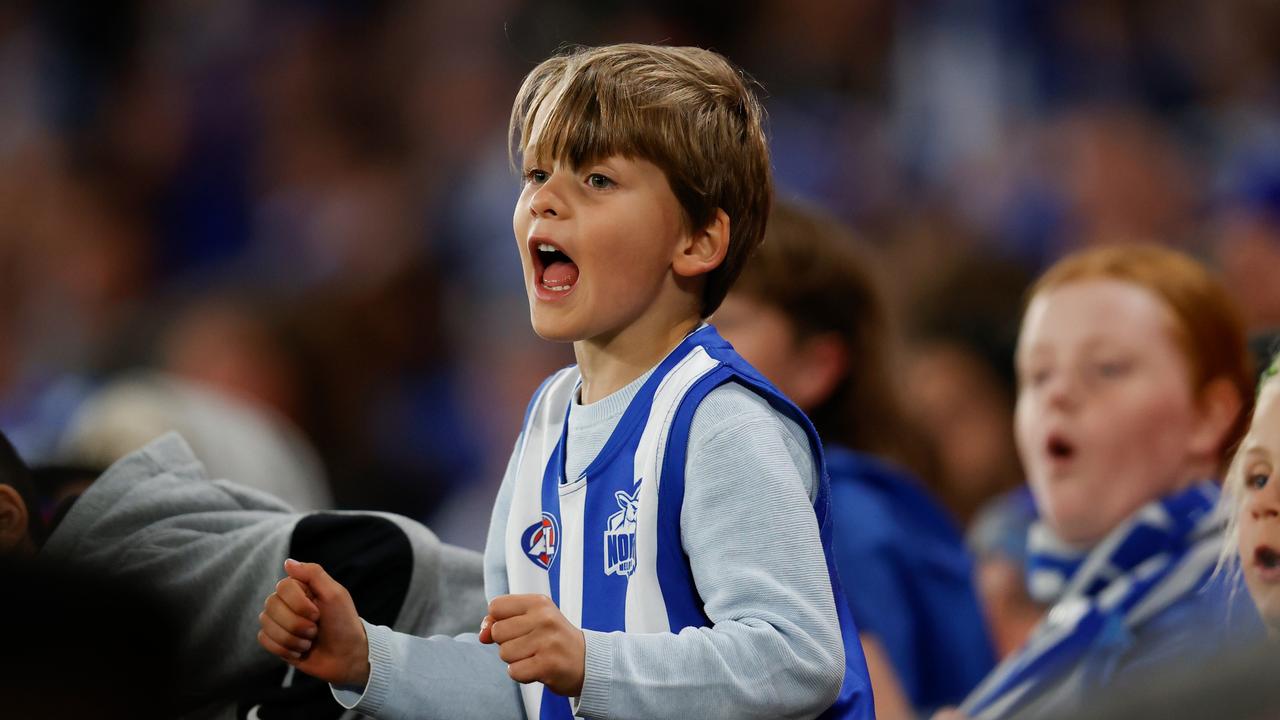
960, 384
1247, 236
997, 537
233, 439
1133, 374
809, 314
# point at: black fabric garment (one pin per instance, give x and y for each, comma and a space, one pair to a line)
373, 559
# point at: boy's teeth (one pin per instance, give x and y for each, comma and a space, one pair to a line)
546, 247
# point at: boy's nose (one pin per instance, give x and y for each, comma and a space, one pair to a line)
541, 208
1263, 512
1264, 503
1061, 391
545, 202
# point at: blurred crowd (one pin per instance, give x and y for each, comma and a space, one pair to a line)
302, 208
283, 228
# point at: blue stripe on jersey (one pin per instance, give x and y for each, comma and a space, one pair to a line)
855, 700
607, 609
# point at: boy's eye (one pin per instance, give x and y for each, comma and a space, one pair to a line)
598, 181
535, 175
1035, 377
1112, 369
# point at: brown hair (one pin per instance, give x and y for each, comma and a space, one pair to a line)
814, 270
686, 110
1208, 326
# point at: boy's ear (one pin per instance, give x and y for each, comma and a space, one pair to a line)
704, 249
14, 526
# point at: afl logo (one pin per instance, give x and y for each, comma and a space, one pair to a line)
541, 541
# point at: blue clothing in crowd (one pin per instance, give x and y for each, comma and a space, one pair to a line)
908, 578
1142, 600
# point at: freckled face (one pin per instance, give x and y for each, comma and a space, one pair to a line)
1105, 408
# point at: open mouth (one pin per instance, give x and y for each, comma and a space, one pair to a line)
1059, 448
1266, 558
554, 270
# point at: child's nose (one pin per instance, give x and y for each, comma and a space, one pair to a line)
546, 202
1062, 391
1264, 504
541, 208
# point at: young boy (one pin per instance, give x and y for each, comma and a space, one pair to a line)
659, 545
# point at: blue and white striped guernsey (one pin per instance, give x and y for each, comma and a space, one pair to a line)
606, 546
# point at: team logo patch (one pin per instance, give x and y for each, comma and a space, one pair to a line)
541, 541
620, 537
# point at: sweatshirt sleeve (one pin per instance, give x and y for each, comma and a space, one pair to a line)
442, 676
748, 527
415, 678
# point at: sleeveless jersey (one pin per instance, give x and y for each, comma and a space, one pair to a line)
606, 546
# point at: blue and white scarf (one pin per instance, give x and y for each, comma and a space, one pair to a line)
1160, 554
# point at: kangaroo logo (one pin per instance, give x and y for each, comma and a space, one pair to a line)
541, 541
620, 537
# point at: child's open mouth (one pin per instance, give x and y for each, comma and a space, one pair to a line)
1059, 448
554, 270
1266, 559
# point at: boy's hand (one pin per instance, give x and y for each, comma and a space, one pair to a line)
537, 642
311, 623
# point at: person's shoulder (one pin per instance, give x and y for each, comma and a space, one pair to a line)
168, 455
159, 488
733, 405
734, 429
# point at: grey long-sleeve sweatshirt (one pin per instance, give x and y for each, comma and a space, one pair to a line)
216, 549
749, 530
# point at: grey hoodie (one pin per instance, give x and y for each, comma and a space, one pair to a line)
216, 549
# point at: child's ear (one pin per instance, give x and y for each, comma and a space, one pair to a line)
1220, 403
13, 520
703, 250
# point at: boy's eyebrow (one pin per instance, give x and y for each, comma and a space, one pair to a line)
1028, 353
1251, 451
1254, 449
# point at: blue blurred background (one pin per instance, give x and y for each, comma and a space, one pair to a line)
304, 206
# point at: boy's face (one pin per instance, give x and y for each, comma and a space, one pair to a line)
1259, 507
596, 243
1106, 416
